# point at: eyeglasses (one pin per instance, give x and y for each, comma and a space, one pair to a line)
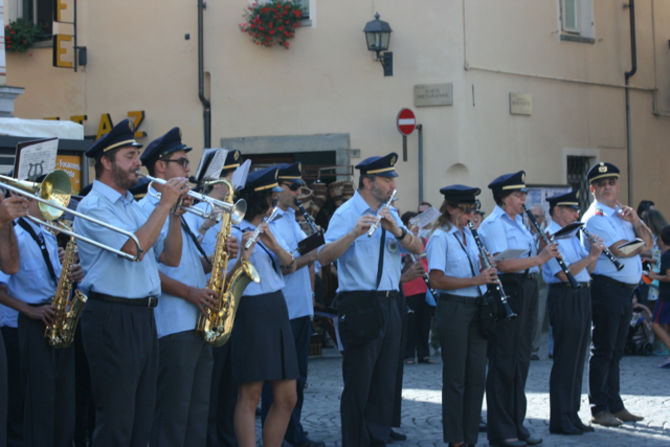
183, 161
519, 194
292, 186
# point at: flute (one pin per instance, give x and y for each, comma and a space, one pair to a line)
375, 225
257, 232
571, 279
606, 251
497, 287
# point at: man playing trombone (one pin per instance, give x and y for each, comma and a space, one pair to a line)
117, 324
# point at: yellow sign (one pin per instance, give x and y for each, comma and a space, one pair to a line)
71, 164
60, 50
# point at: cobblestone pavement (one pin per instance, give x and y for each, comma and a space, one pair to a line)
646, 392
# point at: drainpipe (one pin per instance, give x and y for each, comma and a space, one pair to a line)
206, 107
628, 75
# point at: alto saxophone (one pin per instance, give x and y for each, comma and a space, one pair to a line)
217, 325
60, 333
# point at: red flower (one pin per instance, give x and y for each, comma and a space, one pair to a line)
265, 10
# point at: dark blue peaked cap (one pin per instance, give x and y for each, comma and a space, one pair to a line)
233, 159
460, 193
602, 170
162, 146
290, 173
509, 182
381, 166
570, 199
121, 135
262, 179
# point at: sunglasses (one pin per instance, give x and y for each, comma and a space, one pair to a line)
183, 161
292, 186
467, 208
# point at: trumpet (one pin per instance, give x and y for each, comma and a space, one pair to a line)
606, 251
258, 232
236, 210
375, 225
53, 195
497, 287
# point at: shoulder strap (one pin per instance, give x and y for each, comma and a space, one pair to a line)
188, 231
39, 240
472, 268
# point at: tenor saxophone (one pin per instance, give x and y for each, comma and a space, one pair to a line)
217, 325
60, 333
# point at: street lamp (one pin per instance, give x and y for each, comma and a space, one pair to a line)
377, 36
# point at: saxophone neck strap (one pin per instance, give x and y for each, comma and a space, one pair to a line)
190, 234
41, 243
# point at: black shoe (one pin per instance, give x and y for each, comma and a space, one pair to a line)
532, 440
398, 436
567, 430
580, 425
515, 443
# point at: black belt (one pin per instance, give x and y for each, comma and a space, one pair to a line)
614, 281
41, 303
386, 293
457, 298
149, 301
518, 276
583, 284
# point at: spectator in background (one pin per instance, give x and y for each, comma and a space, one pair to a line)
643, 207
420, 313
477, 218
424, 233
661, 319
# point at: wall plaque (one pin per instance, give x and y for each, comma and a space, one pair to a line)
429, 95
520, 104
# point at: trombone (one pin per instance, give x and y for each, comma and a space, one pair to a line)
236, 211
53, 195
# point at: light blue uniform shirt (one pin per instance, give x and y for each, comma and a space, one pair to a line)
357, 266
445, 254
298, 290
105, 271
605, 222
33, 284
266, 262
499, 232
572, 251
174, 314
8, 316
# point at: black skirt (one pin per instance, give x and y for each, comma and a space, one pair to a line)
262, 346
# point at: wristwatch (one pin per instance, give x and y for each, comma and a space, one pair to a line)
403, 233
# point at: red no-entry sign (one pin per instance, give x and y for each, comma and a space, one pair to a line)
406, 121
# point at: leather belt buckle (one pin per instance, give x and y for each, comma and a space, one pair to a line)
152, 301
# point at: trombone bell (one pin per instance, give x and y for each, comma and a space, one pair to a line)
55, 188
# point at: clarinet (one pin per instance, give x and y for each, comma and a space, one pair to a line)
308, 218
497, 287
375, 225
571, 279
606, 251
426, 279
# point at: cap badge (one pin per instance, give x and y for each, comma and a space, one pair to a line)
523, 178
236, 155
602, 168
393, 160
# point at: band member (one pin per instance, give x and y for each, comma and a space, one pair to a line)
223, 393
10, 208
47, 373
370, 363
611, 291
456, 273
262, 347
509, 352
298, 295
117, 325
570, 317
185, 359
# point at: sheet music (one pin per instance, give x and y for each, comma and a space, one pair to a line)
35, 158
241, 173
425, 218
